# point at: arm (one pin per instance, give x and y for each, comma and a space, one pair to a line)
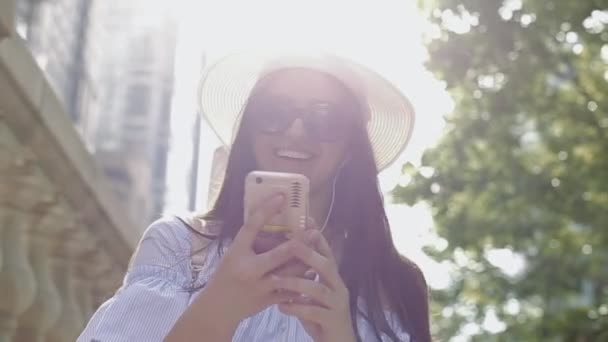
203, 317
240, 286
152, 297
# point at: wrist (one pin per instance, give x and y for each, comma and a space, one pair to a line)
205, 317
218, 312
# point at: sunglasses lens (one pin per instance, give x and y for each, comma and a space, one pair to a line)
323, 121
270, 118
328, 122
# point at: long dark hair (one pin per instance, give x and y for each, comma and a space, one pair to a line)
371, 267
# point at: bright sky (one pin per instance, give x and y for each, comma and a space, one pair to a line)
384, 35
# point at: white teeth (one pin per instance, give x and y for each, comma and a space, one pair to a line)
293, 154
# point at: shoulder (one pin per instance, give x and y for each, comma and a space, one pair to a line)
177, 230
165, 251
407, 277
174, 241
415, 273
164, 241
414, 298
168, 229
155, 291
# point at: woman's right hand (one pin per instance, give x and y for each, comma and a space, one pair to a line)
241, 285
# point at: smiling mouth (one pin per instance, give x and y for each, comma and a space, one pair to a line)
292, 155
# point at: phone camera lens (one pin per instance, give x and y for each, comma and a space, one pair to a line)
258, 180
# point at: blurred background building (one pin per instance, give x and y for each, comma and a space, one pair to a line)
112, 66
86, 99
57, 34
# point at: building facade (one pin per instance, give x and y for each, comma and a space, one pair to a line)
65, 242
56, 32
129, 130
111, 63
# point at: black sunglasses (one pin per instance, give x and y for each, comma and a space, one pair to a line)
325, 121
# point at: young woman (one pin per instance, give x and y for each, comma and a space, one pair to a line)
341, 280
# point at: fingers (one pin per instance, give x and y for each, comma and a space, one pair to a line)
311, 313
275, 257
326, 267
254, 223
322, 245
293, 268
318, 292
278, 297
311, 224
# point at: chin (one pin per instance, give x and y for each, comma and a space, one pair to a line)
279, 165
293, 169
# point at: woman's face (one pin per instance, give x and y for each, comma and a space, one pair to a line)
301, 122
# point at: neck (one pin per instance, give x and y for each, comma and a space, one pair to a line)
320, 206
320, 202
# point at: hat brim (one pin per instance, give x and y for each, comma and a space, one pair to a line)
227, 84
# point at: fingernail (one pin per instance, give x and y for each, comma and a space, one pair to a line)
310, 274
311, 235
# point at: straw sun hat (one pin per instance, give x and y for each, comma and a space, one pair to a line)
226, 85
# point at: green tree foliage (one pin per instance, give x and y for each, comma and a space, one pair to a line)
523, 166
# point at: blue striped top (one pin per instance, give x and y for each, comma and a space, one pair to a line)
159, 286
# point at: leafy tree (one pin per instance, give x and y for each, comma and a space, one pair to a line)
522, 167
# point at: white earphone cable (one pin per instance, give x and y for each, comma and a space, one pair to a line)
333, 195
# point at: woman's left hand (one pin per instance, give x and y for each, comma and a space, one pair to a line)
323, 307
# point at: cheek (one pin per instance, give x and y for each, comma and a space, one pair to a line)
262, 151
331, 158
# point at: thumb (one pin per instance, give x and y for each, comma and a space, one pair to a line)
258, 218
311, 223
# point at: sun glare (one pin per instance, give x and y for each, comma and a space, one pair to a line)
383, 35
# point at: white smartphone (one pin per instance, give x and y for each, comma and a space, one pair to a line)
260, 185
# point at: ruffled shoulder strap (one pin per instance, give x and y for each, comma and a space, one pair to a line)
203, 234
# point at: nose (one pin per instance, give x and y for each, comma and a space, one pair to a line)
296, 129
